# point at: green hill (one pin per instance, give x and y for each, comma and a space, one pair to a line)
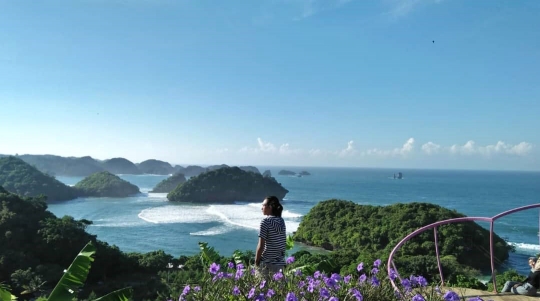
105, 184
63, 166
21, 178
120, 166
170, 183
365, 231
227, 185
156, 167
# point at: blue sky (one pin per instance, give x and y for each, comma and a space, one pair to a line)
274, 82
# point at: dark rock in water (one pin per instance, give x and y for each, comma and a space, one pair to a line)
304, 173
120, 166
105, 184
398, 176
227, 185
267, 173
21, 178
285, 172
156, 167
170, 183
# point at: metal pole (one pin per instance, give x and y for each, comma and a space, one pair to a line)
437, 252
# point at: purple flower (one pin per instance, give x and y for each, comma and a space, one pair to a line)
290, 260
239, 274
263, 283
418, 297
330, 282
239, 266
375, 281
421, 281
347, 279
362, 278
406, 284
336, 277
374, 271
393, 274
251, 293
451, 296
197, 288
476, 299
377, 263
298, 272
301, 284
333, 299
218, 276
214, 268
291, 297
324, 293
356, 293
360, 266
413, 280
260, 297
317, 274
230, 265
278, 276
236, 291
186, 290
270, 293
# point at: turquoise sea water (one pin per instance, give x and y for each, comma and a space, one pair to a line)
149, 222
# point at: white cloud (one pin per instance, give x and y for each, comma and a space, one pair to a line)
431, 148
470, 148
407, 148
348, 151
270, 148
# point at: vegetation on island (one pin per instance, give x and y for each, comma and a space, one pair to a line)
120, 166
63, 166
170, 183
105, 184
304, 173
364, 232
285, 172
21, 178
155, 167
227, 185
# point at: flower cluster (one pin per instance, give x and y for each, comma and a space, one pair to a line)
236, 282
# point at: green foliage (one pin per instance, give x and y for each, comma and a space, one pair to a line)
120, 166
227, 184
63, 166
21, 178
467, 282
369, 232
105, 184
208, 254
170, 183
156, 167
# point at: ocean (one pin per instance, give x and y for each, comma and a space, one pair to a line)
148, 222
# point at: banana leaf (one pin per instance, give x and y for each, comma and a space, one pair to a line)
120, 295
75, 275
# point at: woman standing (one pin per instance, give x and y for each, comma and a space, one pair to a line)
270, 254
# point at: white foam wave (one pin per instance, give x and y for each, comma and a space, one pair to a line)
176, 214
212, 231
523, 247
122, 224
232, 216
157, 195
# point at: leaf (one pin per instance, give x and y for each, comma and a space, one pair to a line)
123, 294
5, 295
290, 243
238, 255
208, 254
75, 275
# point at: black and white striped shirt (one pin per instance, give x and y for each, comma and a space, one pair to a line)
272, 230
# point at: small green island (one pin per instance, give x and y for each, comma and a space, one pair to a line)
19, 177
227, 185
285, 172
105, 184
170, 183
120, 166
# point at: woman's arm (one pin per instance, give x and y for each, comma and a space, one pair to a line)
258, 252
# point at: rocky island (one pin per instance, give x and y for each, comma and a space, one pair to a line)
105, 184
21, 178
169, 184
285, 172
304, 173
227, 185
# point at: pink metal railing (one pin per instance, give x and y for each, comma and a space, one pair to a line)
491, 220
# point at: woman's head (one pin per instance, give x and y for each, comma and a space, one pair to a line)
271, 206
537, 265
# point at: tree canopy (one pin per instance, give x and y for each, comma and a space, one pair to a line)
226, 185
105, 184
21, 178
374, 230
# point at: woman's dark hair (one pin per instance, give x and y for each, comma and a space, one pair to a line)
273, 202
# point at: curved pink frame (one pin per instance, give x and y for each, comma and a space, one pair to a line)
491, 220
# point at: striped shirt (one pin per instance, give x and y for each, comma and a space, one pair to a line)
272, 230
